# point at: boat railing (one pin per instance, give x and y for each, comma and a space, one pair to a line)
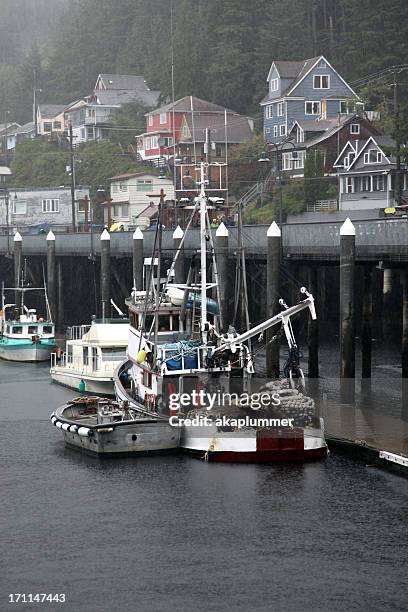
96, 364
75, 332
184, 360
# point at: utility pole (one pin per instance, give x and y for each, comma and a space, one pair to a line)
397, 195
71, 151
208, 154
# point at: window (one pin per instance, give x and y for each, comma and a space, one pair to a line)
378, 182
17, 329
32, 330
85, 356
50, 206
280, 109
300, 135
123, 186
150, 120
269, 111
349, 184
373, 156
275, 131
69, 353
47, 329
298, 159
144, 185
57, 125
312, 108
83, 133
365, 183
274, 84
114, 188
286, 161
282, 129
163, 118
147, 143
348, 159
267, 130
19, 207
321, 81
47, 126
355, 128
147, 379
89, 133
154, 143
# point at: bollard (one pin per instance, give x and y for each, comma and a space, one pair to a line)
51, 276
105, 273
347, 317
272, 297
179, 265
138, 259
221, 238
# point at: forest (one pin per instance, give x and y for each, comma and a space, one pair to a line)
222, 50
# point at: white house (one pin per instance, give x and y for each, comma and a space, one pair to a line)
50, 118
131, 193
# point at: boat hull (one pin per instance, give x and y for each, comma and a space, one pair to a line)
27, 352
144, 436
94, 385
254, 446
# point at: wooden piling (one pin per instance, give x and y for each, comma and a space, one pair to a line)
60, 309
272, 298
347, 315
18, 262
313, 328
51, 275
404, 351
105, 274
138, 259
179, 265
366, 330
221, 239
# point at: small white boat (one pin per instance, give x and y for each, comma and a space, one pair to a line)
92, 353
104, 427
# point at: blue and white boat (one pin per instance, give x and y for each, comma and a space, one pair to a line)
23, 335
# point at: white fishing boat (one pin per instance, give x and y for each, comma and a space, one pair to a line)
23, 335
91, 355
202, 360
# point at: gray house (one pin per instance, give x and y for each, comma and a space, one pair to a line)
367, 172
301, 91
50, 208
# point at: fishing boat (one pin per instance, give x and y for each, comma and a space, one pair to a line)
24, 336
104, 427
202, 360
91, 355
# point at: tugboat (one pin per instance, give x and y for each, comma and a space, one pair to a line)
23, 335
205, 362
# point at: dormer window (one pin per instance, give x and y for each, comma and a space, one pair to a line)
321, 81
373, 156
274, 84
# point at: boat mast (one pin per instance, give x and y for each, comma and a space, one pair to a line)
203, 246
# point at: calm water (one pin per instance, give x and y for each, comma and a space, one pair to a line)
173, 533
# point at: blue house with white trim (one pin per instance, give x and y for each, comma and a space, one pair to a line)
303, 90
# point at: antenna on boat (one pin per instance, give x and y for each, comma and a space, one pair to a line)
203, 247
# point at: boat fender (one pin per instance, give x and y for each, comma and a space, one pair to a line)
83, 431
58, 424
53, 420
141, 356
81, 386
73, 428
65, 426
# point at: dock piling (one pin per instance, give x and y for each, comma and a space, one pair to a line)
313, 329
18, 257
51, 275
221, 238
138, 259
179, 265
105, 273
347, 311
366, 331
272, 297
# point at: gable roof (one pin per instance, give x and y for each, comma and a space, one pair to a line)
48, 111
117, 97
184, 105
350, 144
376, 141
122, 81
286, 69
306, 69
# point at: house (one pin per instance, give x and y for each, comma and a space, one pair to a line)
302, 91
367, 174
92, 116
48, 206
129, 196
8, 136
328, 136
50, 119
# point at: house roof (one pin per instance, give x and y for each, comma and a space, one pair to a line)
184, 105
127, 175
149, 211
26, 128
48, 111
379, 141
9, 126
123, 81
124, 96
288, 69
238, 128
326, 128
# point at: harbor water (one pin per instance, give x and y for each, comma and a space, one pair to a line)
174, 533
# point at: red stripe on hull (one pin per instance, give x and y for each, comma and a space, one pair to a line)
265, 456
